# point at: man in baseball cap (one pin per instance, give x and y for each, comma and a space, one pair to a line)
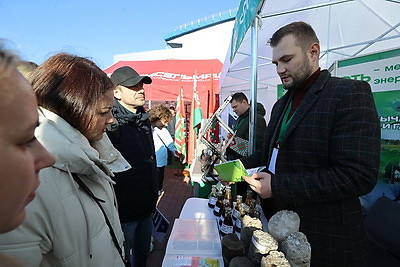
129, 91
127, 76
136, 189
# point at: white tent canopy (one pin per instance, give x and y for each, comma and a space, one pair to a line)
345, 28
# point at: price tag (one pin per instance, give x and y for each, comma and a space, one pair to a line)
183, 261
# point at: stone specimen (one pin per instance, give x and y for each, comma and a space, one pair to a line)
283, 223
241, 261
231, 247
261, 244
249, 224
275, 259
297, 250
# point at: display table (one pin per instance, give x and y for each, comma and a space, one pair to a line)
195, 235
196, 208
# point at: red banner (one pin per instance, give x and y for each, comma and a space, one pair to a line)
169, 75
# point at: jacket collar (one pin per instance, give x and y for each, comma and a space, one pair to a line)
73, 151
306, 104
123, 115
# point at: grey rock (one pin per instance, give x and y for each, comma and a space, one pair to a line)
283, 223
297, 250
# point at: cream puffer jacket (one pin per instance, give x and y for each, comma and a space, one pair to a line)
63, 226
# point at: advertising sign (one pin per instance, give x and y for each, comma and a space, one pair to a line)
382, 71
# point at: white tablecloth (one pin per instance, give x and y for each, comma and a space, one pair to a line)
197, 208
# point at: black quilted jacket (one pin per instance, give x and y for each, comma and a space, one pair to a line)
136, 189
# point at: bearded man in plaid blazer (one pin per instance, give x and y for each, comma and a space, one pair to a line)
322, 148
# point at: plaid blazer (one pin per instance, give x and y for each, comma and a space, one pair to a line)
328, 157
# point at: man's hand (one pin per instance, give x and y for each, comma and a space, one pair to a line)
260, 182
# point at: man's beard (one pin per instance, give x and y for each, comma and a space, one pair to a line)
299, 77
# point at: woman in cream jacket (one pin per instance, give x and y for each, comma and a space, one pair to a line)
64, 226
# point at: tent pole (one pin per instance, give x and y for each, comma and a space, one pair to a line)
253, 85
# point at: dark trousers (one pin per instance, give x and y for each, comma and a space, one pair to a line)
160, 177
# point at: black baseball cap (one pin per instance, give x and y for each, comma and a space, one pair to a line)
127, 76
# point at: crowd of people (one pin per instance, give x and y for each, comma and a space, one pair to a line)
83, 162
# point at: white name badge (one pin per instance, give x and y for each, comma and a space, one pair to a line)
272, 163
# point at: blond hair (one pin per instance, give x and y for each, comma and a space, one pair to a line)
160, 112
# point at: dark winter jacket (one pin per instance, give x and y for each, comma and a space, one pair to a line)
242, 129
136, 189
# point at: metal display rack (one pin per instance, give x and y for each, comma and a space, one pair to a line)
215, 152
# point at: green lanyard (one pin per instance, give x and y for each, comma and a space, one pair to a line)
237, 125
285, 121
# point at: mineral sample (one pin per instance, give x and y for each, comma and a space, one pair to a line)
274, 259
297, 250
231, 247
245, 237
241, 261
283, 223
261, 244
249, 224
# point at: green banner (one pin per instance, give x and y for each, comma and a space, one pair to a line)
388, 106
244, 18
382, 71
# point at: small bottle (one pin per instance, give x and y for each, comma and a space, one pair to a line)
227, 225
244, 209
222, 189
218, 205
249, 197
225, 205
228, 195
235, 211
213, 196
252, 210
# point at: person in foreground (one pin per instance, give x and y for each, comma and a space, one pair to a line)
322, 148
136, 189
22, 155
65, 226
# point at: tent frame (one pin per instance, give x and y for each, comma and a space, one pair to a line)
255, 84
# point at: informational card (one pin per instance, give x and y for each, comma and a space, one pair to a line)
232, 171
181, 261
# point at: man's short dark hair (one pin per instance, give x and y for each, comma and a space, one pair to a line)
303, 32
239, 97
